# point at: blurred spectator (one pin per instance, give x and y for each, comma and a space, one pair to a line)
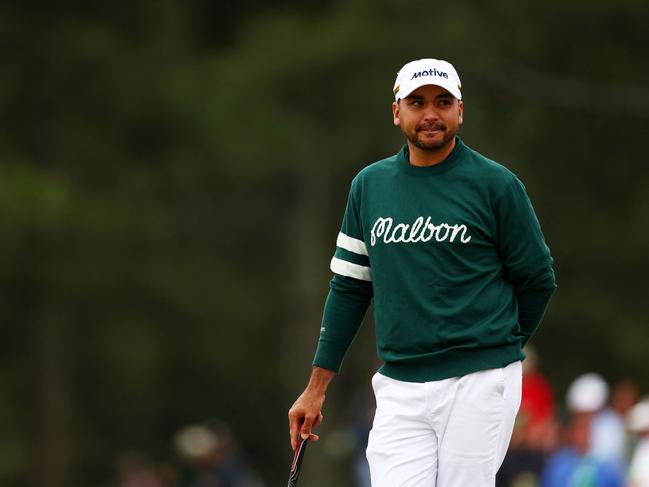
639, 423
535, 430
211, 458
522, 465
572, 466
624, 397
608, 429
537, 400
575, 465
135, 470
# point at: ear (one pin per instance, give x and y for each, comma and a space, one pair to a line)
395, 114
461, 110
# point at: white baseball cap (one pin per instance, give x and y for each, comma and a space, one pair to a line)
587, 393
427, 72
638, 418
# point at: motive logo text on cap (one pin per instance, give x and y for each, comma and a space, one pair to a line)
427, 72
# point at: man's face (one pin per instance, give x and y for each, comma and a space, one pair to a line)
429, 117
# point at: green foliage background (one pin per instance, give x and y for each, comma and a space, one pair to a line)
173, 174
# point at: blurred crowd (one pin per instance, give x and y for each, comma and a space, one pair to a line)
205, 455
601, 438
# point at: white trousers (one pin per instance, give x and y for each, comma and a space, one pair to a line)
447, 433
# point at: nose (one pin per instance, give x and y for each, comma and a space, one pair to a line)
430, 114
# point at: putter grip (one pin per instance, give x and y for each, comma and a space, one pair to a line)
297, 462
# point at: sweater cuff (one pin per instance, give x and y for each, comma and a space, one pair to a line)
343, 314
531, 308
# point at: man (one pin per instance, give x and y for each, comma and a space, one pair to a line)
446, 243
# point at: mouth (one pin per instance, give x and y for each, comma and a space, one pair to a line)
431, 129
430, 133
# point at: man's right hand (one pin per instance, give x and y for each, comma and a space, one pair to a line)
306, 412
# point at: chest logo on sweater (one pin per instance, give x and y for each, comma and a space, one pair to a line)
418, 231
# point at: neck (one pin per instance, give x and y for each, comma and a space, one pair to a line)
422, 158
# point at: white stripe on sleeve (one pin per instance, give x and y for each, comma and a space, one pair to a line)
352, 244
348, 269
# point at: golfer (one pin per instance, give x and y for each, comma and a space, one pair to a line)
445, 243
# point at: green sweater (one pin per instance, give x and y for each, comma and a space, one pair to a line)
454, 259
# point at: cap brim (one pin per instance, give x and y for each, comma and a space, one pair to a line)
407, 90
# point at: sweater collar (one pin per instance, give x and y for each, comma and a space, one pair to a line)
451, 161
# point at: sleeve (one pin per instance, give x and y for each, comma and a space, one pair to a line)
350, 291
526, 258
